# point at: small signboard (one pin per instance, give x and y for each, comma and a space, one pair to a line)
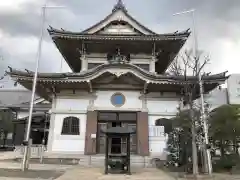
93, 136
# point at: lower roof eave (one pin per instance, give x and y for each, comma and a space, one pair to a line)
146, 88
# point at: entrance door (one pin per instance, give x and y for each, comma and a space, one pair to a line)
113, 119
133, 138
101, 140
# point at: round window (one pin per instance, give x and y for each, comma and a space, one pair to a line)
118, 99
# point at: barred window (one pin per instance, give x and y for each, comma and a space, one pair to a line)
70, 126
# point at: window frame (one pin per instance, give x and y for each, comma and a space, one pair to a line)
71, 126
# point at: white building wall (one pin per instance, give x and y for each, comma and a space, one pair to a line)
77, 105
158, 108
132, 101
69, 143
216, 98
22, 114
68, 106
233, 84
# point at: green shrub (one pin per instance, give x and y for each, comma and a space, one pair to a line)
226, 163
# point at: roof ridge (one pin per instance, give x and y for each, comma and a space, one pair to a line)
119, 6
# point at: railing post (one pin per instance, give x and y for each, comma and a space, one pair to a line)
41, 153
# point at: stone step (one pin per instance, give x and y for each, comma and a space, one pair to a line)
93, 160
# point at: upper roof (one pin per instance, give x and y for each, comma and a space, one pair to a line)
119, 13
131, 36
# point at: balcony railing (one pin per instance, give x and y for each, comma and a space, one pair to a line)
156, 131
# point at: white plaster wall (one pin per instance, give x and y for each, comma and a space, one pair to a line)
69, 143
160, 108
69, 106
163, 106
132, 101
22, 114
157, 147
72, 103
157, 139
157, 107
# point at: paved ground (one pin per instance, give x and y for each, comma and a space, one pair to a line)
97, 174
11, 171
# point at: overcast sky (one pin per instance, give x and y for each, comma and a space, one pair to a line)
217, 22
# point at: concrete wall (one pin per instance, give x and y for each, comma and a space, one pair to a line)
233, 84
216, 98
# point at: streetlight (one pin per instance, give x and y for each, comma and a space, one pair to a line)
39, 51
205, 127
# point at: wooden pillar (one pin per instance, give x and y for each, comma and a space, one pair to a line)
91, 128
128, 156
142, 133
106, 154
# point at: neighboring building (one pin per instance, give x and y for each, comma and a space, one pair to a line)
233, 89
227, 95
17, 101
215, 98
118, 79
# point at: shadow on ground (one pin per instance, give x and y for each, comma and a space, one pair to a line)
34, 174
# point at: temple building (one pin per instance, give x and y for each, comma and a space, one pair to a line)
118, 79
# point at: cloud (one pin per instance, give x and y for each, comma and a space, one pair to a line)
218, 27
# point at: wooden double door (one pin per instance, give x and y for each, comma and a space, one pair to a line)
118, 144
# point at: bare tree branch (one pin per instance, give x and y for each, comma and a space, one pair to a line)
175, 68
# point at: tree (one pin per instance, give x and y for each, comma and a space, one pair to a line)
180, 139
224, 128
191, 65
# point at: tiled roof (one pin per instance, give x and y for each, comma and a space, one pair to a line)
14, 97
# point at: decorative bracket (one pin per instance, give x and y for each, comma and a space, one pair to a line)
145, 87
117, 72
90, 86
53, 90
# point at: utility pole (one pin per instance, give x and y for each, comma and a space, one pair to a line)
26, 143
27, 147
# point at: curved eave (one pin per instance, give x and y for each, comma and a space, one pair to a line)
82, 36
68, 42
49, 84
115, 69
